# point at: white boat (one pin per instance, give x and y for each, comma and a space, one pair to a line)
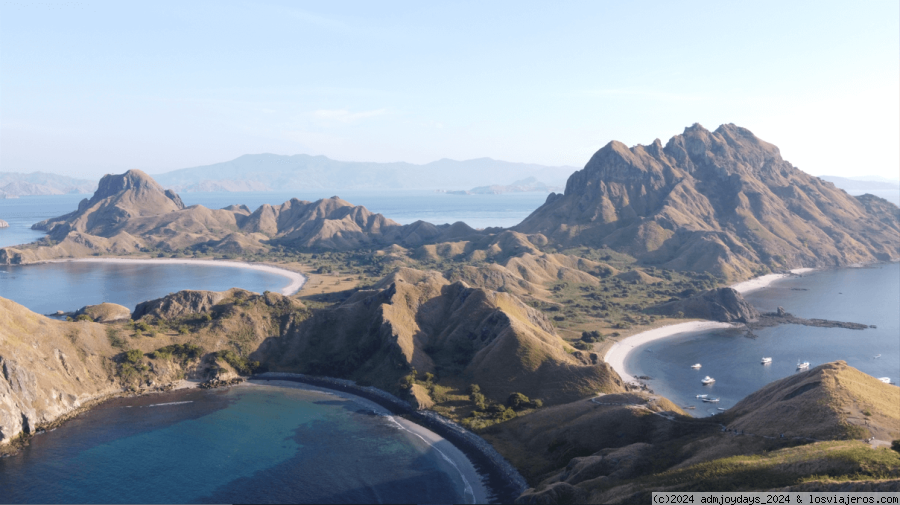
711, 400
707, 380
721, 408
802, 366
876, 356
886, 380
696, 366
766, 361
702, 396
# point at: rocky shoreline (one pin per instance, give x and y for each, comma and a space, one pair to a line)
770, 319
504, 481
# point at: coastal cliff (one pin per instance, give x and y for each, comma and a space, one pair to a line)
48, 369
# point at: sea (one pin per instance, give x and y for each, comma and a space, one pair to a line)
869, 295
248, 444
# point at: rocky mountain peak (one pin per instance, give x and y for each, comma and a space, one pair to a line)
134, 180
723, 201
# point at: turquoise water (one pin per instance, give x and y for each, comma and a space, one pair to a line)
48, 287
248, 444
862, 295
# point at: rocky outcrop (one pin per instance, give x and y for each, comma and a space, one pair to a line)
181, 304
722, 304
105, 312
723, 202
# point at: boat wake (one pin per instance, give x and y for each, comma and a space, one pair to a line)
469, 493
170, 403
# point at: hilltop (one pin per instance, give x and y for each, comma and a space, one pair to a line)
647, 445
723, 202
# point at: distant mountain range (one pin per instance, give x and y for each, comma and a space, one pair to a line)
272, 172
860, 184
41, 183
521, 186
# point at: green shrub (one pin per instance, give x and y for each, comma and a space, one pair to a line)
895, 445
241, 364
113, 335
183, 352
83, 317
133, 356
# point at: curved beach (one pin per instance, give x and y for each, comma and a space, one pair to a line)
475, 490
296, 279
616, 354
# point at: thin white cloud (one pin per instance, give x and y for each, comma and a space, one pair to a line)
345, 116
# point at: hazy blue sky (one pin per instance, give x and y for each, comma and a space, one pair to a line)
88, 88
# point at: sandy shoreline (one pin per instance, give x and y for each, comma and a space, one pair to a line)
617, 354
296, 279
765, 280
475, 490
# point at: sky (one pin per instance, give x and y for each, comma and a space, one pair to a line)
88, 88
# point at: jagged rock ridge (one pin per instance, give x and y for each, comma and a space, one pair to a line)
722, 201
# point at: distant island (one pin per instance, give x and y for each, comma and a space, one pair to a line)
14, 184
521, 186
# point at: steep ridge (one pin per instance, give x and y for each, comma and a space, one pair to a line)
418, 319
131, 213
723, 202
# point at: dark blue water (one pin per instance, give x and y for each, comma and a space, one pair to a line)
48, 287
863, 295
248, 444
403, 206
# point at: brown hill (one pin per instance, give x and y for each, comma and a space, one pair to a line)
131, 213
723, 202
417, 319
830, 401
721, 304
607, 451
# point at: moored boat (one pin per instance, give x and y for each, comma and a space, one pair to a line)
711, 400
702, 396
886, 380
696, 366
707, 380
766, 361
802, 366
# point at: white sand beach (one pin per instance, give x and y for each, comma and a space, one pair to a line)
475, 490
296, 279
765, 280
616, 354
